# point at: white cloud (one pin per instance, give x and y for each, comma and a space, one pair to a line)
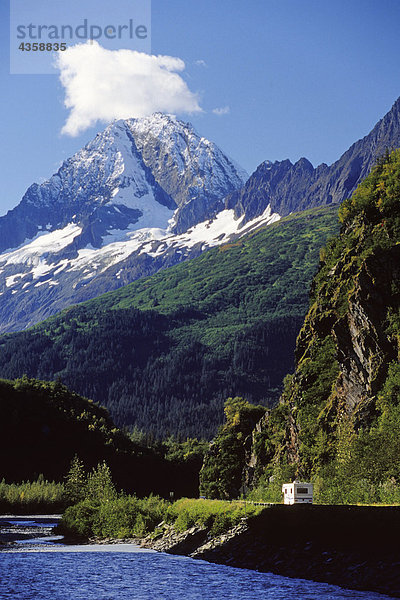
224, 110
102, 85
201, 63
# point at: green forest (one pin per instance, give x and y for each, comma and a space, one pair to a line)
165, 352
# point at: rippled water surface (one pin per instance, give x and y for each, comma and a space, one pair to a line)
43, 569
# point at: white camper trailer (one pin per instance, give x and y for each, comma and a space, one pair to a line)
297, 493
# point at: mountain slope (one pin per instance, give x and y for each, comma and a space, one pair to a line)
338, 421
196, 339
286, 187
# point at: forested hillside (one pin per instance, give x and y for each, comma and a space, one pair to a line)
44, 426
338, 420
163, 353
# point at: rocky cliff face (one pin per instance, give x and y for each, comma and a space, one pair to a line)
347, 352
363, 347
288, 188
345, 382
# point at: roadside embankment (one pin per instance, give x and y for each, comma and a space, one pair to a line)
352, 546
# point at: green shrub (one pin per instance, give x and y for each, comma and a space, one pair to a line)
78, 520
218, 515
119, 517
40, 496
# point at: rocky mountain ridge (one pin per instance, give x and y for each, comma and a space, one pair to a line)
291, 187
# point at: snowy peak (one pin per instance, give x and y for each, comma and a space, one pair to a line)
142, 195
108, 165
136, 172
105, 186
190, 168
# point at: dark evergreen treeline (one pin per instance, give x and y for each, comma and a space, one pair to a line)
44, 426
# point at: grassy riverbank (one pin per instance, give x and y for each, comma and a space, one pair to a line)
128, 516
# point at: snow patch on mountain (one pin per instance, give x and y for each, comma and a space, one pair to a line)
154, 214
101, 259
44, 243
219, 230
90, 262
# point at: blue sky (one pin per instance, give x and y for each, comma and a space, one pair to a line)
300, 78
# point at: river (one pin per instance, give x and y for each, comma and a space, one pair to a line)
37, 565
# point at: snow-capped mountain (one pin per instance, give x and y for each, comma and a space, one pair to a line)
137, 172
143, 195
104, 186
